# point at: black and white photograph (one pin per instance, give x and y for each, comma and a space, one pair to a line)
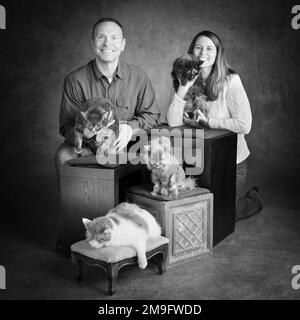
150, 151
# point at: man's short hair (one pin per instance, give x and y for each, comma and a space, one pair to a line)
101, 20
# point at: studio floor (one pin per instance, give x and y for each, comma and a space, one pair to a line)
254, 262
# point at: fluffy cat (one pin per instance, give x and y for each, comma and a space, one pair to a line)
125, 225
97, 126
167, 174
186, 68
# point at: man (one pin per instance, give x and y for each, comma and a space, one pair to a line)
107, 76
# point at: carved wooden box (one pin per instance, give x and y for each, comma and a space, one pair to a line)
187, 222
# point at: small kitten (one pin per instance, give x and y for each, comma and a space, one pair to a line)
97, 126
125, 225
186, 68
167, 174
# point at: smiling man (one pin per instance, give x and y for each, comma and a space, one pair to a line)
107, 76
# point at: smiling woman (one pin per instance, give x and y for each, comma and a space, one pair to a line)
225, 106
205, 51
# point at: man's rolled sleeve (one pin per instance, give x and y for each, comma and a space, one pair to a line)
147, 111
70, 104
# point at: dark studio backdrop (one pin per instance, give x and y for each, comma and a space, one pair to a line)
45, 40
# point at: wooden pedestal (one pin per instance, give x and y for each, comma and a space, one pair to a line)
187, 223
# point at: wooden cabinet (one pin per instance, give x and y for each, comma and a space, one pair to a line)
91, 192
218, 175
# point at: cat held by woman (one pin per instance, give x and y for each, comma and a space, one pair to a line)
125, 225
167, 174
186, 68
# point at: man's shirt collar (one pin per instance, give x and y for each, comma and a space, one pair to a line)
121, 72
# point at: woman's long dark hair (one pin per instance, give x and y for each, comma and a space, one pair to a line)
220, 70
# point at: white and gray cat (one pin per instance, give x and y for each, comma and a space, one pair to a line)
125, 225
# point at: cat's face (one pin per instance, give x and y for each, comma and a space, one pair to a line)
157, 153
97, 118
186, 68
98, 231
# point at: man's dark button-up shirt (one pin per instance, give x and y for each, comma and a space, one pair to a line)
130, 91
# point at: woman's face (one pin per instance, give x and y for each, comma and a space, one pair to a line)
206, 51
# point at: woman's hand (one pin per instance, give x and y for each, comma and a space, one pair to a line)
200, 120
182, 90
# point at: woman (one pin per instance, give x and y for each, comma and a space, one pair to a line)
227, 107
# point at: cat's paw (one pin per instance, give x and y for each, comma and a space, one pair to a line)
155, 193
165, 192
143, 264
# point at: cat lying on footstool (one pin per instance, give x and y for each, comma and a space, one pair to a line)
125, 225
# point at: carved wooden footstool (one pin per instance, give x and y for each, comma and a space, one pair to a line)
112, 259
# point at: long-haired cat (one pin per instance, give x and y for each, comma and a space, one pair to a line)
167, 174
125, 225
96, 126
186, 68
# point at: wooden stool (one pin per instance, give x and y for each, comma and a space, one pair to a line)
187, 220
112, 259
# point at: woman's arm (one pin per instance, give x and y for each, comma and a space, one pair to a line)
175, 112
239, 108
176, 107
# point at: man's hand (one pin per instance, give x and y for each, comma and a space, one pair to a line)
125, 134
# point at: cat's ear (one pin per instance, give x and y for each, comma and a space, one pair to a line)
86, 222
84, 114
107, 234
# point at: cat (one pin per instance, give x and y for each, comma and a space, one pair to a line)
168, 176
97, 127
125, 225
186, 68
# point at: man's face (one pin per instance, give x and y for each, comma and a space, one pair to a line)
108, 41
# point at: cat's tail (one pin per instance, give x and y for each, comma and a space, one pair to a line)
189, 184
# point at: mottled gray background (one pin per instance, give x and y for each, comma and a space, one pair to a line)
47, 39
